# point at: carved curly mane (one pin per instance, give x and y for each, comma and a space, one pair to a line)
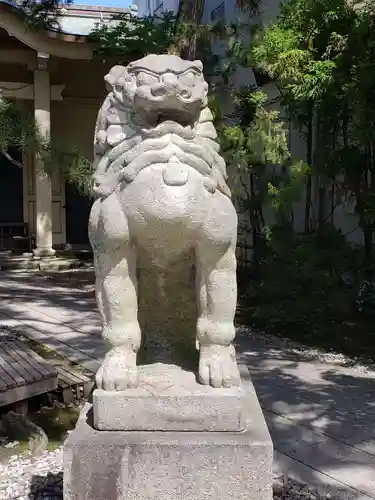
129, 137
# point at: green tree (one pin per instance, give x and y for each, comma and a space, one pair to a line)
18, 127
323, 55
188, 28
133, 37
251, 136
41, 14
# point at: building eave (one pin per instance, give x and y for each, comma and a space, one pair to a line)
54, 42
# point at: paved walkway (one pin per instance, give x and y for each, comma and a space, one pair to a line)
321, 416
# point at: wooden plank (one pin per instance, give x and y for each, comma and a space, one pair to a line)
82, 385
87, 388
36, 374
63, 383
8, 372
35, 368
65, 386
63, 379
7, 379
67, 350
67, 395
13, 359
66, 375
27, 391
71, 376
45, 368
36, 360
76, 374
3, 385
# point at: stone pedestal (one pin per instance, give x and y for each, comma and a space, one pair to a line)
170, 465
169, 398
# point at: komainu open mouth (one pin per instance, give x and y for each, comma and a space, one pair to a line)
173, 117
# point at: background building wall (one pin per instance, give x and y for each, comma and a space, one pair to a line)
151, 7
343, 215
73, 119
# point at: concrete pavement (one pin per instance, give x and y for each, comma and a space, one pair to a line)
321, 416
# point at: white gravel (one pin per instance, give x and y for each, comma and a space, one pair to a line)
309, 353
32, 478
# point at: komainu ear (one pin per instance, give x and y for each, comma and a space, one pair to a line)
198, 64
112, 77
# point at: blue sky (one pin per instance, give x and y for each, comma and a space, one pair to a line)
105, 3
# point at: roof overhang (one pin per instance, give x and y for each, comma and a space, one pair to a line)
55, 43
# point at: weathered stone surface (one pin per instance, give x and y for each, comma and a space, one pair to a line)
168, 398
163, 227
114, 465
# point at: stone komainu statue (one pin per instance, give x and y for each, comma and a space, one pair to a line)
161, 193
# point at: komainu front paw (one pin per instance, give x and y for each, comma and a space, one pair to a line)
118, 371
218, 366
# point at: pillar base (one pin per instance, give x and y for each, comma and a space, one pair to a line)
42, 253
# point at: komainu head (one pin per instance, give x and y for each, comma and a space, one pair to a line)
161, 88
156, 112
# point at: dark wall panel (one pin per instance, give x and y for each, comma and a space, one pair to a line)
11, 190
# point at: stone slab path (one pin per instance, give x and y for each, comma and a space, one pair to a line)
321, 415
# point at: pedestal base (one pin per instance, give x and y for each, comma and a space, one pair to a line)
169, 398
144, 465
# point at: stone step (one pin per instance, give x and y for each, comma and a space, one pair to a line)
27, 262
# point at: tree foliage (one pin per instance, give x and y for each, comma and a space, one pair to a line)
188, 24
43, 14
17, 129
323, 54
132, 37
20, 130
251, 136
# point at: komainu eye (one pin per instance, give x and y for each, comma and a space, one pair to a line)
146, 78
188, 78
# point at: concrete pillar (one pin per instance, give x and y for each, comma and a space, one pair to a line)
42, 103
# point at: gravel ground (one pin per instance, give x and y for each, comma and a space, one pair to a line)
364, 365
36, 478
40, 478
32, 478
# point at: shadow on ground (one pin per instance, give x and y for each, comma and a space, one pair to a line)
62, 313
321, 416
48, 487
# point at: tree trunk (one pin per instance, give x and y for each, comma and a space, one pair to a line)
189, 15
309, 161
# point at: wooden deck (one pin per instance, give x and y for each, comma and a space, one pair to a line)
23, 373
73, 384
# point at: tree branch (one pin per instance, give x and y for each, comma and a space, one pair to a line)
11, 159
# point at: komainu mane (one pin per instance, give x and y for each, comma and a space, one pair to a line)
161, 191
135, 129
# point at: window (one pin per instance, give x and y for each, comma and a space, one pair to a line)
218, 13
159, 9
148, 7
